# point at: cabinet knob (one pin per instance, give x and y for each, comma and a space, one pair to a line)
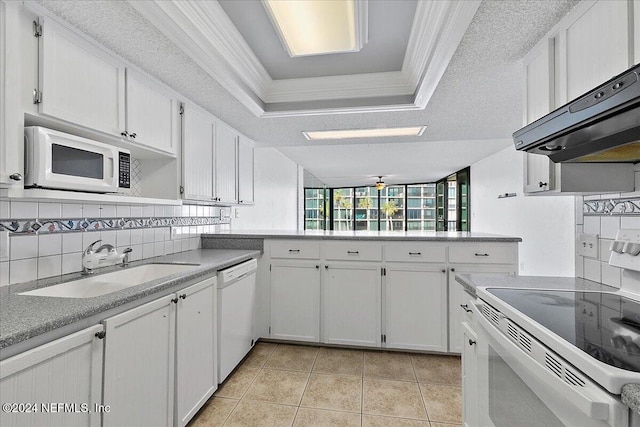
542, 184
124, 133
471, 342
465, 307
132, 135
453, 270
317, 266
183, 296
16, 176
444, 270
101, 334
326, 267
174, 300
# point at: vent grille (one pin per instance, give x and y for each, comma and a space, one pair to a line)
525, 342
512, 331
490, 314
572, 378
553, 364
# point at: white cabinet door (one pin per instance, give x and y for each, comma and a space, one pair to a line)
139, 365
415, 307
458, 298
636, 31
152, 114
245, 171
11, 117
295, 301
197, 154
351, 299
539, 100
597, 46
196, 377
80, 82
226, 163
67, 370
469, 377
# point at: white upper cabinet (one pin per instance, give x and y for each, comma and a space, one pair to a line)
80, 83
245, 171
636, 30
225, 163
152, 114
197, 154
597, 46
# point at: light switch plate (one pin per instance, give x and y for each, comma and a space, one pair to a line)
587, 245
4, 246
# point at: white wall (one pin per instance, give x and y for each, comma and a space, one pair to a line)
276, 194
546, 224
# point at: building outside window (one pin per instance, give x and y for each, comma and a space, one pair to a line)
421, 207
366, 208
315, 209
392, 208
343, 209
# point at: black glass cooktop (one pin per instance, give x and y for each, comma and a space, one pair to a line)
604, 325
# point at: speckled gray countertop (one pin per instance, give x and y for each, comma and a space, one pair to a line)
437, 236
631, 396
630, 392
23, 317
472, 281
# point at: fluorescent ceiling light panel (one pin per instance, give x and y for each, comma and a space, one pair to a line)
316, 27
364, 133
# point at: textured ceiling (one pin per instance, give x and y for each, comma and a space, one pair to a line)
478, 98
389, 27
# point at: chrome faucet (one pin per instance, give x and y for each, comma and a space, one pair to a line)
94, 258
125, 257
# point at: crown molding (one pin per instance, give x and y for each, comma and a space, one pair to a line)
207, 35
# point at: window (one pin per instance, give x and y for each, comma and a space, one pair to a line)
428, 206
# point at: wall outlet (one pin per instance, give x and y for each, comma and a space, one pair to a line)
4, 246
236, 212
587, 245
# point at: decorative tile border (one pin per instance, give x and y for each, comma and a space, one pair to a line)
618, 207
46, 226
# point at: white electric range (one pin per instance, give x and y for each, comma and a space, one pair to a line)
548, 357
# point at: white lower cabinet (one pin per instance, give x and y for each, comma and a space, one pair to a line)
352, 307
64, 371
415, 307
469, 377
159, 363
139, 365
196, 376
295, 300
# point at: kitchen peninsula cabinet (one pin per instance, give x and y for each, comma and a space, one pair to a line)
245, 171
67, 370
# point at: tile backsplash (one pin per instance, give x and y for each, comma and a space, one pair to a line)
47, 239
604, 215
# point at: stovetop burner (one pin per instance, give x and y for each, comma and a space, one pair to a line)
604, 325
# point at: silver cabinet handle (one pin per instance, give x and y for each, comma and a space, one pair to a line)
477, 254
415, 253
465, 307
16, 176
542, 184
353, 252
132, 135
294, 251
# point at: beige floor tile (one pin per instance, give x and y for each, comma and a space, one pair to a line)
341, 393
445, 425
318, 417
393, 398
237, 383
378, 421
214, 413
444, 403
259, 355
285, 387
258, 414
438, 369
292, 357
393, 366
339, 361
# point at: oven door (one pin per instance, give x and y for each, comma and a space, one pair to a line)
514, 389
67, 162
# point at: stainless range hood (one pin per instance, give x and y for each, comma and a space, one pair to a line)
602, 126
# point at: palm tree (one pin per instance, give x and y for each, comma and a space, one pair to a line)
389, 208
365, 203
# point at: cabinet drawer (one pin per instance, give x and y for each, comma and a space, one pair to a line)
415, 252
483, 254
296, 249
353, 251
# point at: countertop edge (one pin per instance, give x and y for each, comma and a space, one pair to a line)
505, 239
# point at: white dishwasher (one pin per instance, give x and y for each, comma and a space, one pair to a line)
236, 303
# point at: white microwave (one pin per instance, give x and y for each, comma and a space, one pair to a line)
60, 161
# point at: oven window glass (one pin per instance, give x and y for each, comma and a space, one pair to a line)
75, 162
511, 401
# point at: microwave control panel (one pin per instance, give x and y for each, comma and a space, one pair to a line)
124, 165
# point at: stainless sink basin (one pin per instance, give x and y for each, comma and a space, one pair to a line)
107, 283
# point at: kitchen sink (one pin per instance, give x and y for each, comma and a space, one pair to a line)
107, 283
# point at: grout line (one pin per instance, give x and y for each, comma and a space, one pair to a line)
230, 412
424, 404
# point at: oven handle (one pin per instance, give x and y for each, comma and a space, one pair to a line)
592, 401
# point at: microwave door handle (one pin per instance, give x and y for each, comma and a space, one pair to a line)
110, 167
590, 400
